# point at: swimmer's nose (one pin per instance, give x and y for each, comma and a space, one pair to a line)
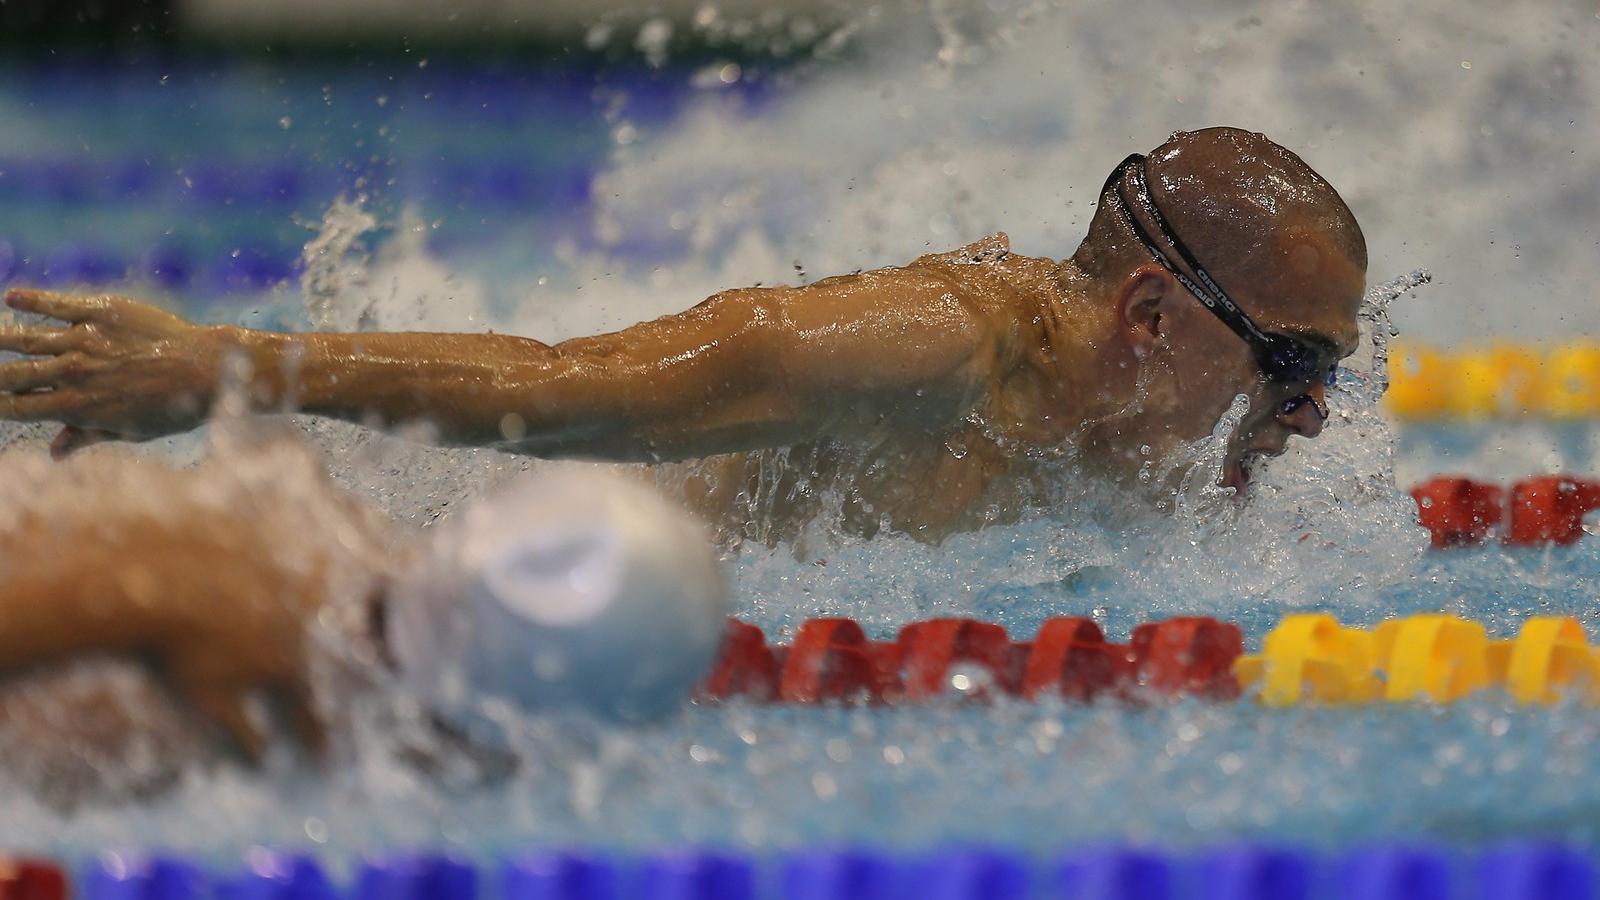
1305, 414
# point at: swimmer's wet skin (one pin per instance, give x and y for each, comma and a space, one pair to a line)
574, 588
1220, 265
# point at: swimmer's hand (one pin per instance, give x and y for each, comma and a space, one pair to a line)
220, 617
213, 682
119, 370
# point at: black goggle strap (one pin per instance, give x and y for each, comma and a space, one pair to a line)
1279, 356
1212, 294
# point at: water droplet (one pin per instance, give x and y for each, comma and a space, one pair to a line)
598, 36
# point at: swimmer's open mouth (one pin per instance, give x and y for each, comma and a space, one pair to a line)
1238, 473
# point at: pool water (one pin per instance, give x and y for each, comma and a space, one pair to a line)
562, 200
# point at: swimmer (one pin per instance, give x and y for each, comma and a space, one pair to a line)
1218, 265
252, 577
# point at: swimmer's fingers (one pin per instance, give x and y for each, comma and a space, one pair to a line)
56, 305
113, 313
49, 406
33, 374
206, 678
224, 707
36, 341
300, 707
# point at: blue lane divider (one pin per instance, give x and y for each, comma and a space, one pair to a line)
1257, 872
1397, 873
1402, 871
697, 876
269, 184
502, 184
121, 877
425, 876
1535, 872
970, 874
84, 266
276, 876
1115, 874
559, 876
273, 186
840, 874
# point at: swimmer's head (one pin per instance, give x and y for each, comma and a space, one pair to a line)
1282, 245
575, 588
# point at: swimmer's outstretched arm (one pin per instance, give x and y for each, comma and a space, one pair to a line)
743, 370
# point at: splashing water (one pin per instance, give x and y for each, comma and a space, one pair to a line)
335, 262
1325, 527
1201, 464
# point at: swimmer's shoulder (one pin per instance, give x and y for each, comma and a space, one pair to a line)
990, 266
983, 283
994, 249
1003, 285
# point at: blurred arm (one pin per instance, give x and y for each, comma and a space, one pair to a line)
193, 593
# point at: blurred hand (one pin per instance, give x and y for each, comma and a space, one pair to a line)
231, 619
119, 370
198, 591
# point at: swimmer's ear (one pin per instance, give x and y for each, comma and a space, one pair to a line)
1139, 303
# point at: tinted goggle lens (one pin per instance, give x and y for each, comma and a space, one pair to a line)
1290, 361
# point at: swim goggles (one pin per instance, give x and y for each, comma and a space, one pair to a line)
1282, 358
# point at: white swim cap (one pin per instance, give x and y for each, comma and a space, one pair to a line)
572, 587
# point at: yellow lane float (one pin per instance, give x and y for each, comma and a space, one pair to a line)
1311, 657
1435, 657
1432, 657
1502, 380
1550, 658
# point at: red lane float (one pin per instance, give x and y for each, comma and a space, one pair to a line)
832, 660
1545, 510
1550, 510
746, 666
1192, 655
1071, 659
1458, 511
928, 651
31, 879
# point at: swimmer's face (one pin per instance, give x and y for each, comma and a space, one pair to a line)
1198, 365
